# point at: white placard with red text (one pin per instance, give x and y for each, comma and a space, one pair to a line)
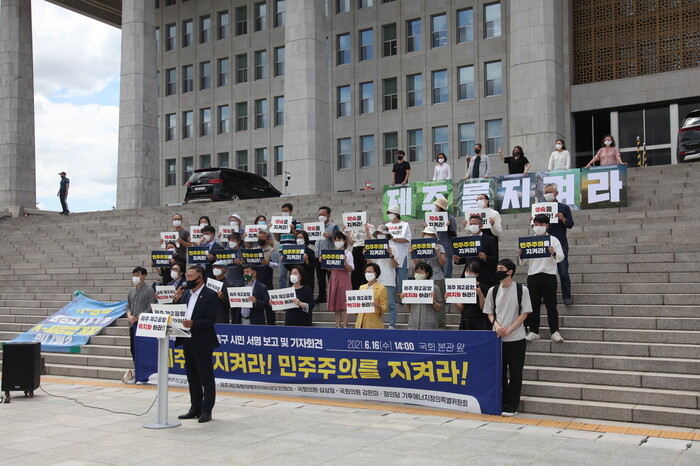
359, 301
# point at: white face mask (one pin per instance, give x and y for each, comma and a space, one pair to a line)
391, 216
481, 204
234, 223
608, 142
322, 218
294, 278
174, 275
202, 225
135, 280
558, 146
285, 214
339, 244
381, 236
539, 229
474, 229
369, 276
549, 197
218, 272
419, 276
177, 223
441, 160
207, 238
469, 275
233, 244
300, 241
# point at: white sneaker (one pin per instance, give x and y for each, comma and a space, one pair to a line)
391, 327
509, 413
532, 336
557, 338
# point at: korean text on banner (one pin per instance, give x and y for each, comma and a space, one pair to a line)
292, 254
177, 312
332, 259
282, 299
355, 220
280, 224
550, 209
169, 236
460, 290
483, 213
359, 301
197, 255
466, 246
152, 325
215, 285
376, 249
252, 256
417, 291
225, 255
165, 294
423, 248
195, 233
315, 230
398, 230
240, 296
534, 247
437, 220
161, 258
251, 233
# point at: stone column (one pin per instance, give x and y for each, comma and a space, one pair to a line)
17, 156
307, 145
536, 96
138, 171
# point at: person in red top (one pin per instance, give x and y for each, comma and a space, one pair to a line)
607, 154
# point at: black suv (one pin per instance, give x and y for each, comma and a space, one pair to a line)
689, 138
226, 184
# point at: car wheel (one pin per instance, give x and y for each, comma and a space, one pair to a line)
235, 197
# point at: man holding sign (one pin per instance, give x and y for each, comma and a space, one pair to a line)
445, 237
401, 239
487, 257
558, 230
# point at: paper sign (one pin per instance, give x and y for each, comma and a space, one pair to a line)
225, 255
161, 258
417, 291
460, 290
467, 246
292, 254
197, 255
215, 285
195, 233
376, 249
355, 220
240, 296
169, 236
423, 248
315, 230
252, 256
332, 259
534, 247
550, 209
437, 220
226, 231
152, 325
397, 230
282, 299
165, 294
280, 224
359, 301
178, 312
251, 233
483, 213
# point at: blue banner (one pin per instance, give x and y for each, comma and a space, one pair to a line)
71, 327
445, 369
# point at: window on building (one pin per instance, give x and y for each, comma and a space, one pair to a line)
389, 40
222, 28
414, 90
261, 113
187, 78
365, 3
170, 36
224, 118
366, 97
391, 145
493, 79
344, 52
342, 6
467, 138
187, 124
241, 68
157, 40
187, 32
465, 25
465, 88
367, 151
241, 20
170, 81
204, 29
170, 172
440, 94
280, 8
438, 24
242, 160
441, 141
414, 35
242, 116
344, 102
223, 159
260, 12
279, 110
205, 121
187, 168
205, 161
261, 162
494, 136
344, 153
366, 44
492, 20
170, 2
391, 94
261, 64
279, 61
205, 75
415, 145
279, 160
224, 72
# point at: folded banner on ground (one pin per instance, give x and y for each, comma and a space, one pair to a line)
71, 327
452, 370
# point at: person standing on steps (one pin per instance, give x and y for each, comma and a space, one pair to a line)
139, 300
560, 159
478, 166
324, 216
518, 163
401, 171
63, 193
442, 169
558, 230
607, 154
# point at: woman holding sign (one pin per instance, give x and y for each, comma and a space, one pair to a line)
340, 282
424, 316
381, 304
301, 315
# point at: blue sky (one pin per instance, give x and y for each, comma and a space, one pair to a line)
76, 85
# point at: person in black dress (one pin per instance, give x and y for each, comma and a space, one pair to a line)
302, 314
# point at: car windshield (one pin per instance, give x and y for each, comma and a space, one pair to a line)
203, 177
691, 120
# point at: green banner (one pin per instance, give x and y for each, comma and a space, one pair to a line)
414, 199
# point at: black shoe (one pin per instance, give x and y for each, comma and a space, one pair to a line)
568, 301
204, 417
321, 299
189, 415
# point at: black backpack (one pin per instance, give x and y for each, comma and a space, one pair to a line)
518, 290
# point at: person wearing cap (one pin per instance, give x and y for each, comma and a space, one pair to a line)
225, 314
401, 244
438, 275
63, 193
387, 275
236, 222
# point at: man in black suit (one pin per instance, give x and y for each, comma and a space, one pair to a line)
487, 258
209, 240
202, 306
257, 315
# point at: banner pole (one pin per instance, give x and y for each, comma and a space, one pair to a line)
162, 423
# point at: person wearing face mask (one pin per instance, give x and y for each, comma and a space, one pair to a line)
507, 306
518, 163
479, 165
259, 313
203, 221
177, 275
487, 258
401, 245
308, 266
286, 238
542, 282
184, 240
472, 315
138, 301
424, 316
387, 273
324, 216
340, 282
356, 239
445, 237
225, 314
401, 171
560, 159
492, 226
438, 276
236, 222
268, 264
373, 320
558, 230
200, 317
234, 273
607, 154
302, 315
164, 272
209, 240
262, 221
442, 170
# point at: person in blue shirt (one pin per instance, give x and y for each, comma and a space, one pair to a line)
63, 193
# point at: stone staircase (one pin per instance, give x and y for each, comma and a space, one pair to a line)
632, 349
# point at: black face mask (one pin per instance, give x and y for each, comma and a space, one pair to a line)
262, 242
516, 154
501, 275
400, 158
192, 284
477, 151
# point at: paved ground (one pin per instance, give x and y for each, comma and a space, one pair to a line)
249, 430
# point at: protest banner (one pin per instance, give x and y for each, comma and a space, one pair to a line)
280, 224
195, 233
398, 230
215, 285
165, 294
469, 190
359, 301
161, 258
282, 299
333, 259
568, 184
603, 187
240, 296
423, 248
169, 236
417, 292
534, 247
414, 199
197, 255
177, 312
225, 255
460, 290
315, 230
437, 220
515, 193
466, 246
292, 254
152, 325
550, 209
355, 221
251, 233
483, 213
441, 369
226, 231
376, 249
252, 256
